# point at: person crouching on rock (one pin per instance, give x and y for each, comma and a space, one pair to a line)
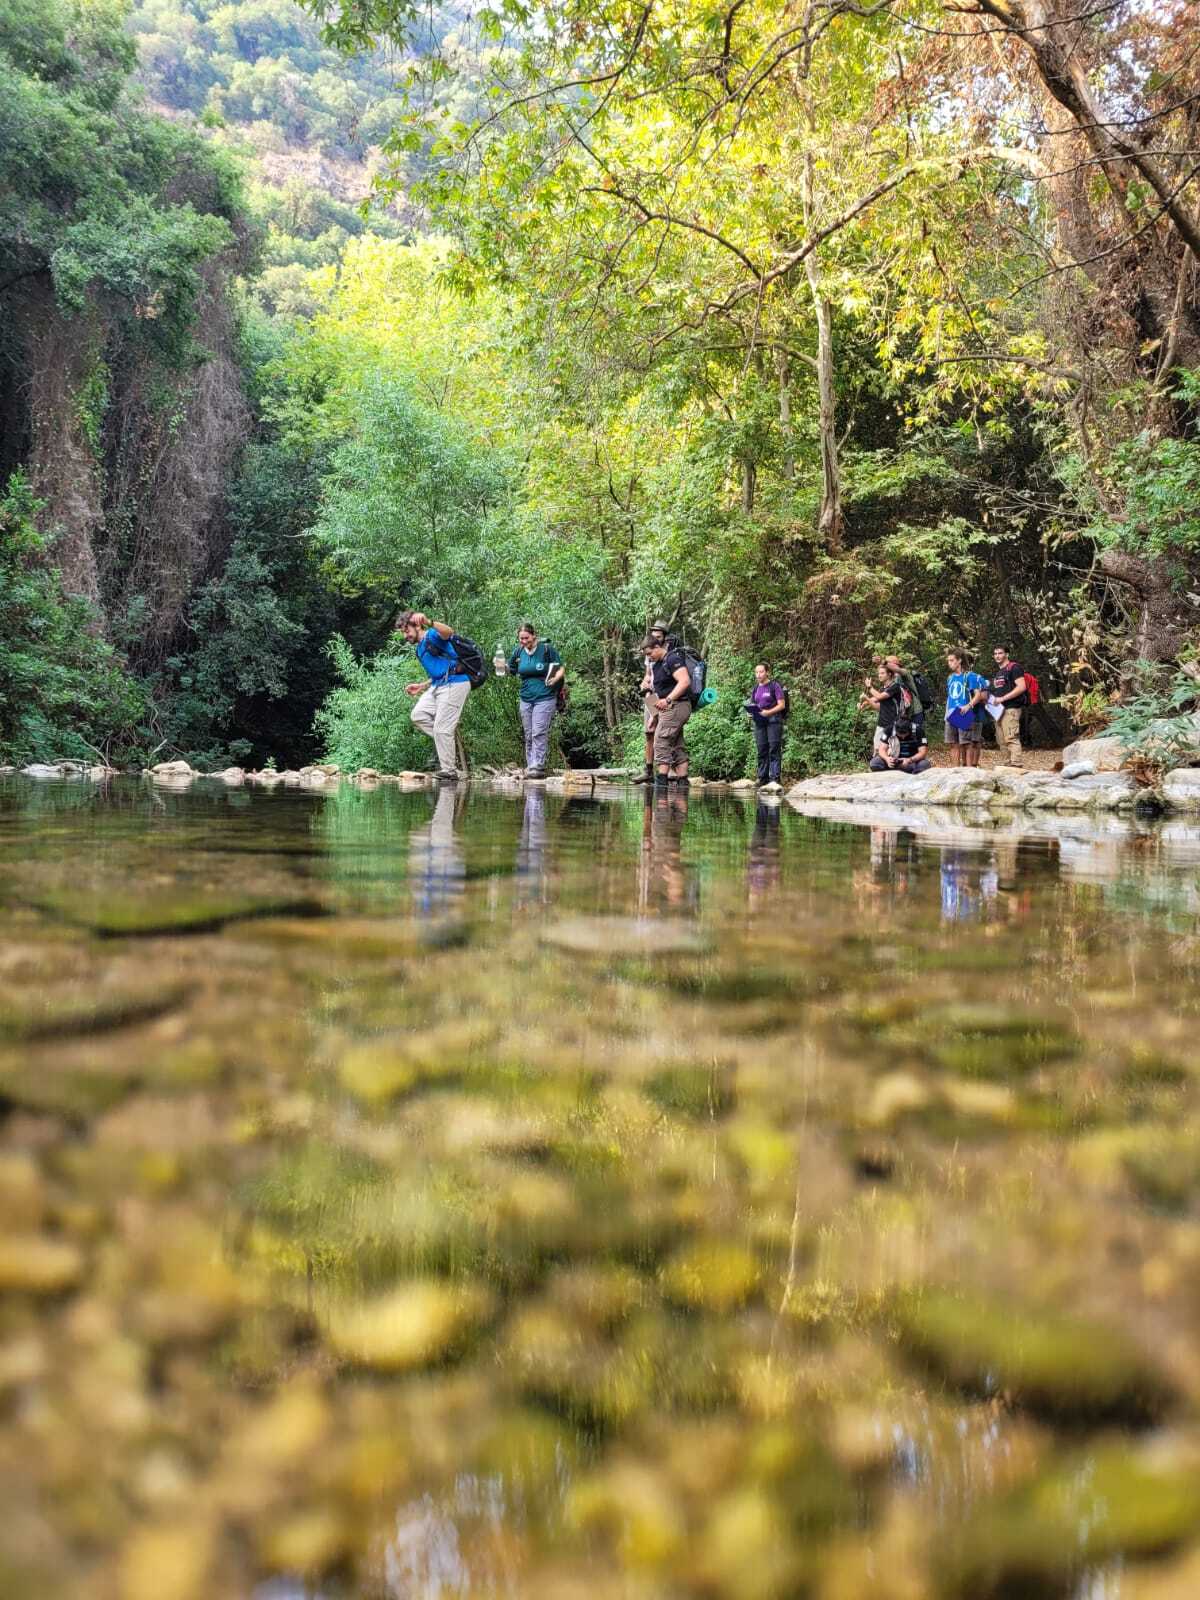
910, 752
673, 702
440, 703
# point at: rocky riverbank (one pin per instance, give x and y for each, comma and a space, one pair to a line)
1004, 789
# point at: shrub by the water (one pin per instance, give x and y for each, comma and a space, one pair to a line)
64, 692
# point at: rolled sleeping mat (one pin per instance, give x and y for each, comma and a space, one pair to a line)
708, 697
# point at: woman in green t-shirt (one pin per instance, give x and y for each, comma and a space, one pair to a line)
536, 662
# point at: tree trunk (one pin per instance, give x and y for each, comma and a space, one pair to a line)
785, 415
607, 665
1166, 617
749, 483
830, 520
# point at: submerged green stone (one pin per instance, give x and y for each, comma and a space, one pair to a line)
1055, 1365
1083, 1511
116, 915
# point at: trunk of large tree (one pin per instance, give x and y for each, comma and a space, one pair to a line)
785, 415
1166, 616
608, 655
829, 520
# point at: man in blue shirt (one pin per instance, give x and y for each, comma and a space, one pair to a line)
966, 693
440, 703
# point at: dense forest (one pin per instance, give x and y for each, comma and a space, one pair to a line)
817, 327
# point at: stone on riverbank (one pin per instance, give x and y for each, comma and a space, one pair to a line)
1106, 754
1181, 789
981, 789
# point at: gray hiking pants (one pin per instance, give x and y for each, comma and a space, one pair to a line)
536, 717
436, 713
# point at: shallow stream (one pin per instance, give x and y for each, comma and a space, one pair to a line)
501, 1195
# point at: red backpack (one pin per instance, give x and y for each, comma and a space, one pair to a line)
1032, 688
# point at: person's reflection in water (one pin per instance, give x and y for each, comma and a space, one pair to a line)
763, 867
962, 899
436, 867
531, 849
665, 879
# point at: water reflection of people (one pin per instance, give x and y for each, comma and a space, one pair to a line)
665, 879
436, 866
763, 868
531, 849
968, 881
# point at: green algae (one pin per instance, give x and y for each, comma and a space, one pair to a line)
1055, 1365
120, 915
1084, 1510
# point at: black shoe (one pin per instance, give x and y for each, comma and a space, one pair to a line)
446, 777
662, 781
681, 783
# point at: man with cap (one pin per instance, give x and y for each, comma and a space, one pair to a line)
671, 685
649, 709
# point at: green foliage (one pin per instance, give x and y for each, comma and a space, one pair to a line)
1156, 482
825, 730
367, 721
64, 692
1159, 723
407, 499
260, 65
258, 665
101, 200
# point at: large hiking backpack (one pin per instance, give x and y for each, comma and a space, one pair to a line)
470, 659
697, 673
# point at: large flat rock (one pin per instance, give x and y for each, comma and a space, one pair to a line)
976, 790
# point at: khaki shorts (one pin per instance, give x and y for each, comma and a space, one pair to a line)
669, 748
971, 735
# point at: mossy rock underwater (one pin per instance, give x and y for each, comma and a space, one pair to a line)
1060, 1367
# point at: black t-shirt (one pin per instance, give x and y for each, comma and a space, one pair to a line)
889, 708
1003, 681
910, 743
662, 673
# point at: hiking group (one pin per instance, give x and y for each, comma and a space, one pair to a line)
902, 700
674, 684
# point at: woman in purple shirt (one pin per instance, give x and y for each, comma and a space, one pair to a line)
770, 707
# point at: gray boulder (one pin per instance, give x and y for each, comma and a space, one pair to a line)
1181, 789
1106, 754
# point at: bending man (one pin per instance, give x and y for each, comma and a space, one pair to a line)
440, 703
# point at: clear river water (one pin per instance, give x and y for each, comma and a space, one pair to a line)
594, 1197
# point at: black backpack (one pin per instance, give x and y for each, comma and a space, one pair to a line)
470, 659
924, 692
697, 672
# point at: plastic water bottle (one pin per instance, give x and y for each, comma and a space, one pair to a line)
500, 661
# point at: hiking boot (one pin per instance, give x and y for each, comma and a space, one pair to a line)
647, 776
446, 776
535, 774
681, 783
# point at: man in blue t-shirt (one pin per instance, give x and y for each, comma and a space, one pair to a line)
439, 703
966, 694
